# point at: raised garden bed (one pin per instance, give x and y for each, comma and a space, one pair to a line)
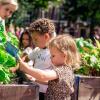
19, 92
87, 82
87, 88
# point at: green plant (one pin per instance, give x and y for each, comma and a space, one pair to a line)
90, 57
6, 60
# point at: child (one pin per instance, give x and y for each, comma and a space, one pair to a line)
64, 56
7, 7
25, 42
42, 31
25, 45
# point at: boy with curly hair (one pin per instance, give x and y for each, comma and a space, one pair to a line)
42, 30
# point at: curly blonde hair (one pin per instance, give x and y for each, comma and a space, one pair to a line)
42, 26
66, 44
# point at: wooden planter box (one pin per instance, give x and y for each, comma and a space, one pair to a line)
19, 92
87, 88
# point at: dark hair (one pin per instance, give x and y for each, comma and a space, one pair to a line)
21, 38
42, 26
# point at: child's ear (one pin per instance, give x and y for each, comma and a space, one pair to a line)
47, 36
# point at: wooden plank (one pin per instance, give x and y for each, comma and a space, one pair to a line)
89, 88
19, 92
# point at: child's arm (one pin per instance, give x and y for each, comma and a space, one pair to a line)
24, 58
14, 69
41, 75
34, 80
30, 77
41, 82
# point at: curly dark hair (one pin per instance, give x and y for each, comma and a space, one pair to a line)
42, 26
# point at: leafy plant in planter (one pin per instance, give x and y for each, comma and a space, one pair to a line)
90, 57
6, 60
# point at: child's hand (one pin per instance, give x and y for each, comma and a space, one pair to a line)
13, 69
23, 66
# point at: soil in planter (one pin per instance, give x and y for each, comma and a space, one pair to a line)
20, 78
